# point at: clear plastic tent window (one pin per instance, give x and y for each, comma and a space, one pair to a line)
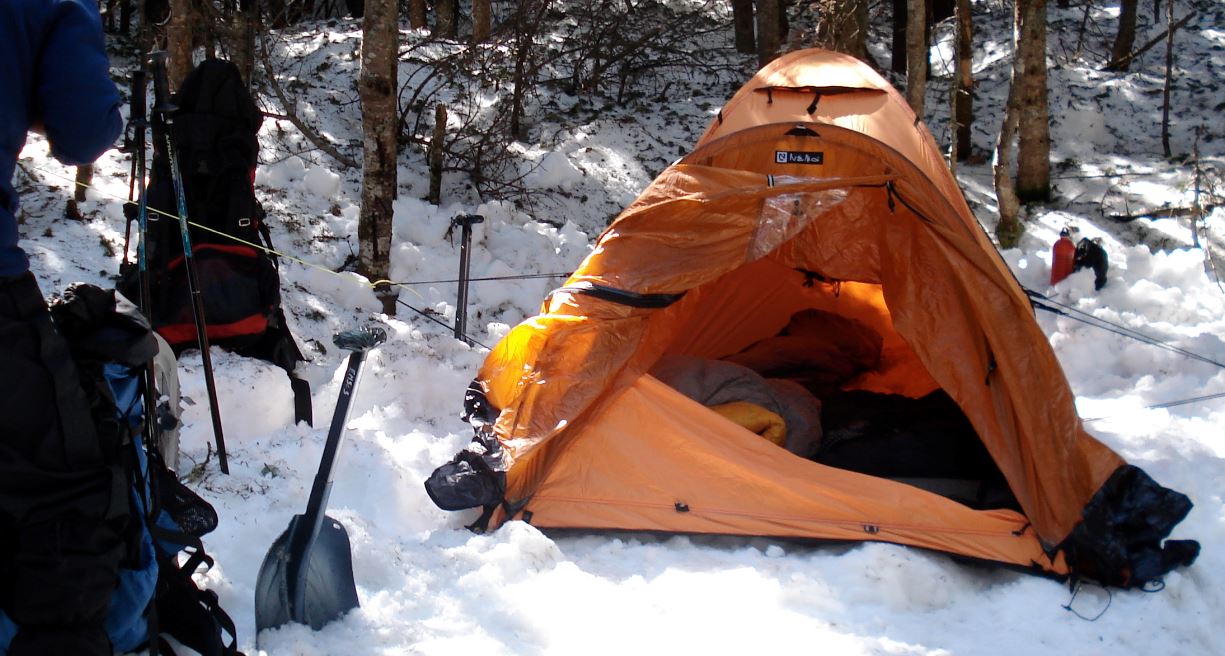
786, 215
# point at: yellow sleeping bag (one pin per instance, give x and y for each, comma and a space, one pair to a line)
755, 418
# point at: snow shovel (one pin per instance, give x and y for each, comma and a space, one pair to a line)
307, 575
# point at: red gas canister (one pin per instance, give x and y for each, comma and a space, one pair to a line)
1062, 255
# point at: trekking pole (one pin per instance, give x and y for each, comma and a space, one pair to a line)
161, 95
465, 221
138, 119
138, 122
134, 145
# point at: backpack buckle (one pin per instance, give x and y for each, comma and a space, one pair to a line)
244, 223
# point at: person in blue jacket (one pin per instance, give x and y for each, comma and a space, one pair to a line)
62, 507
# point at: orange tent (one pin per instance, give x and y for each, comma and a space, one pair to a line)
815, 187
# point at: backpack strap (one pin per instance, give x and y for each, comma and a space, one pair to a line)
282, 350
266, 235
80, 439
286, 354
302, 410
192, 616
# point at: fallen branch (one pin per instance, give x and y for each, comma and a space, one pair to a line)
1164, 213
29, 174
1123, 62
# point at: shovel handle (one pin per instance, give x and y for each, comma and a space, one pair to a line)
303, 541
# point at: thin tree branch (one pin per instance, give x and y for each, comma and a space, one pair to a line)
319, 141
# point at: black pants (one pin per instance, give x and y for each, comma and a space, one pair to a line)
62, 507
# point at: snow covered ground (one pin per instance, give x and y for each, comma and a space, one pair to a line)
428, 586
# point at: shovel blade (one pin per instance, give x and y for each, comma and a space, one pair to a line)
330, 591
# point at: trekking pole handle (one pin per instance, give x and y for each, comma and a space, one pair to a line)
361, 339
139, 103
161, 85
134, 132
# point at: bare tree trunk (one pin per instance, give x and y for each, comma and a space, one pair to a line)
416, 14
1170, 28
377, 86
1009, 229
277, 13
963, 86
1169, 77
842, 25
242, 50
85, 176
125, 17
444, 18
1197, 208
769, 40
525, 31
897, 62
916, 55
435, 154
1120, 55
481, 20
862, 24
742, 24
144, 30
209, 37
784, 25
179, 36
1034, 129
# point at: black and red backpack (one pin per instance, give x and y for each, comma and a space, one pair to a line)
215, 131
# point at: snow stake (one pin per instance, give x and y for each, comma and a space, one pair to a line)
465, 221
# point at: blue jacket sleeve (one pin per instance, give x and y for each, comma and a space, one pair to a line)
75, 97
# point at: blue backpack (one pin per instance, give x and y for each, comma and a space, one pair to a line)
112, 345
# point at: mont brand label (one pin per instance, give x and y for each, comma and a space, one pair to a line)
798, 157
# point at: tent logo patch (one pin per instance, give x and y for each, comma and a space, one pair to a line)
798, 157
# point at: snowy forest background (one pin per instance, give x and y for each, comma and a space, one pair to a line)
617, 91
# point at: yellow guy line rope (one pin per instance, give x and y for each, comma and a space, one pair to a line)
373, 285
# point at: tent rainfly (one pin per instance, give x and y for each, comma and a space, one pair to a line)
816, 192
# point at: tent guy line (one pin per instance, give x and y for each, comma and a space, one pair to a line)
442, 323
1171, 404
373, 284
1041, 302
1035, 297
